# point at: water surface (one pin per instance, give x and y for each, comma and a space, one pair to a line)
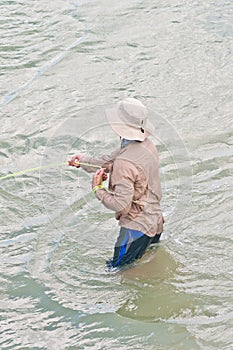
62, 63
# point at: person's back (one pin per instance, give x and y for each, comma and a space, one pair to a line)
138, 161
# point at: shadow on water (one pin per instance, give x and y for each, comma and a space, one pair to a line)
159, 294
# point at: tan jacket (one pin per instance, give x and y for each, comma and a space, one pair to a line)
134, 186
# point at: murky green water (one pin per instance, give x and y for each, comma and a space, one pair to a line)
61, 63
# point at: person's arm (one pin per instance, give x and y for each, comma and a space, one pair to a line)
104, 161
123, 178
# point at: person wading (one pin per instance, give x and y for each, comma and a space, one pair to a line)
134, 192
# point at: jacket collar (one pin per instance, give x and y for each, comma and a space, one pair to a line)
125, 142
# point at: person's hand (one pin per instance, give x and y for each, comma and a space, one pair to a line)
105, 175
75, 161
98, 177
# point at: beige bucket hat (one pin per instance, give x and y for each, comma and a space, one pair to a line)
129, 120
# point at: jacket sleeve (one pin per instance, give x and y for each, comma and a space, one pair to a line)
104, 161
123, 178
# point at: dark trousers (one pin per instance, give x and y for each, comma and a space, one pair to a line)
130, 246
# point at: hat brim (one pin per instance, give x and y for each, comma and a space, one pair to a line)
127, 131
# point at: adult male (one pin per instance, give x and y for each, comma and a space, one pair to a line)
134, 192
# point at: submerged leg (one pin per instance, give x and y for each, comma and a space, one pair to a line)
130, 246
